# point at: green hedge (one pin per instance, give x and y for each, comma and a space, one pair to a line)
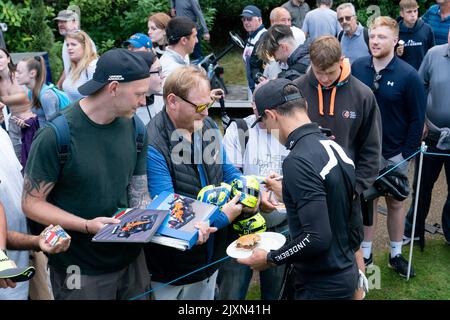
110, 22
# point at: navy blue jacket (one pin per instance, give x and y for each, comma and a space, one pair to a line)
402, 102
418, 40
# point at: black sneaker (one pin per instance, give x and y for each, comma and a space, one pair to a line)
368, 262
400, 265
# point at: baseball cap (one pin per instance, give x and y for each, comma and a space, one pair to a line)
251, 11
271, 95
119, 65
66, 15
139, 40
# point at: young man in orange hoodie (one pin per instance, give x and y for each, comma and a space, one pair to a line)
340, 102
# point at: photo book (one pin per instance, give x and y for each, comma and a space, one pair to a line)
178, 229
136, 226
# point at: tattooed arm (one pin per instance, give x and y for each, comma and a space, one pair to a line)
138, 196
37, 208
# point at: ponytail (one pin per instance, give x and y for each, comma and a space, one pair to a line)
37, 63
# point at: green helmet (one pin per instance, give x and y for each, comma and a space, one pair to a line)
248, 186
216, 195
253, 224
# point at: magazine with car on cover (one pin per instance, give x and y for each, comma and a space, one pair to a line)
136, 226
178, 230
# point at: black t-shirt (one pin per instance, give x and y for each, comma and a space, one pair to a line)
318, 187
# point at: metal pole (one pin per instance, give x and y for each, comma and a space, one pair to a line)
423, 148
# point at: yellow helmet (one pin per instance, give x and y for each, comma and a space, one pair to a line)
253, 224
216, 195
248, 186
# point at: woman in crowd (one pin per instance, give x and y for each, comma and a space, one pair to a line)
14, 96
157, 31
83, 61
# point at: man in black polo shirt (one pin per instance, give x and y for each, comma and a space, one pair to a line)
318, 187
400, 94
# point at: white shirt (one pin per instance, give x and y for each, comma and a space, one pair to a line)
10, 196
263, 155
71, 87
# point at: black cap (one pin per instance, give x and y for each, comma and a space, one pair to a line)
251, 11
271, 95
116, 65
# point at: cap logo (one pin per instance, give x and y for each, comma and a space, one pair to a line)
116, 78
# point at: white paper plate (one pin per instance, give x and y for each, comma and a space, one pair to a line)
269, 241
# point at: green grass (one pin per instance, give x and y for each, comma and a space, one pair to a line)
431, 282
233, 65
432, 275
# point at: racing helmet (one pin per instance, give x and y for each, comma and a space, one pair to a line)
217, 195
254, 224
248, 186
394, 184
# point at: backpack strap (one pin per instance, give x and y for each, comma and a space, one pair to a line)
243, 133
61, 127
340, 35
366, 37
139, 133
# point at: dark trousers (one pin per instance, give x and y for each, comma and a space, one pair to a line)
197, 53
125, 284
431, 168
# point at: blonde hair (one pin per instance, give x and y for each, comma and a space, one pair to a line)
88, 53
408, 4
385, 21
182, 80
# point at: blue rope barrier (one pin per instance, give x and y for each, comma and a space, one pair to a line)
170, 282
437, 154
398, 164
284, 232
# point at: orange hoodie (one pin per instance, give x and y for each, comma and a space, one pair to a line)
343, 79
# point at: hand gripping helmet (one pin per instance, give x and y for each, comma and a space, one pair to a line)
254, 224
216, 195
248, 186
393, 184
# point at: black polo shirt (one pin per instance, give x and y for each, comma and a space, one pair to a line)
402, 102
318, 186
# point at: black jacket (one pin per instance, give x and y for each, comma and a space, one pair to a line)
353, 117
418, 40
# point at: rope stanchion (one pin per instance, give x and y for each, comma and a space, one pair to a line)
398, 164
422, 151
179, 278
437, 154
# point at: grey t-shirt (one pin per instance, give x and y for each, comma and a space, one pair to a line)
49, 106
320, 22
190, 9
435, 72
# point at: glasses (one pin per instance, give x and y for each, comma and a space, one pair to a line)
157, 71
201, 107
347, 18
247, 18
376, 82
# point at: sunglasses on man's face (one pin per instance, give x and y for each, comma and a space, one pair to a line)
157, 71
376, 82
347, 18
200, 107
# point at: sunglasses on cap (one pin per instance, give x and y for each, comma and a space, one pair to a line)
201, 107
347, 18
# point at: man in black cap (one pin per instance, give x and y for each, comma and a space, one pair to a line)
104, 170
252, 22
318, 186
